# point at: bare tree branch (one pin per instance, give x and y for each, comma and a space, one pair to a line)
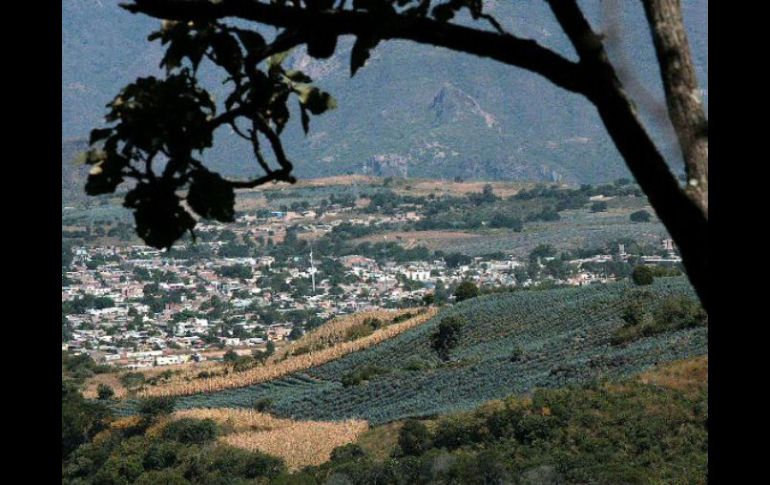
686, 223
593, 76
505, 48
682, 96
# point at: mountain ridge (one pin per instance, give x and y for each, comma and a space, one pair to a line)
386, 121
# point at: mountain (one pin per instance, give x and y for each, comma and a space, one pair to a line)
413, 110
73, 175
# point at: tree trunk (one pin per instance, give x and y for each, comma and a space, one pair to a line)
683, 216
682, 95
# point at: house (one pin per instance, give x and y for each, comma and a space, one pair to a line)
171, 359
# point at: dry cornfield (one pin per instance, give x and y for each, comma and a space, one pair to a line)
298, 443
179, 386
302, 443
334, 331
112, 379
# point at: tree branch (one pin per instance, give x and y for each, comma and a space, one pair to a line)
686, 223
505, 48
681, 87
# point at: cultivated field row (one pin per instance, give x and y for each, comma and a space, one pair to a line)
277, 369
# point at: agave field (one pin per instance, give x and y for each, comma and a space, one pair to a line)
511, 343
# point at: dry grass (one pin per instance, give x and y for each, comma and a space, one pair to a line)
683, 375
112, 379
334, 331
328, 334
425, 187
236, 419
298, 443
411, 239
178, 386
302, 443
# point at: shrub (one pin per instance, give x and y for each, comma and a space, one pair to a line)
358, 331
413, 438
191, 431
348, 452
263, 404
233, 462
517, 354
166, 477
363, 374
599, 206
447, 336
132, 379
403, 317
417, 363
466, 290
640, 216
461, 430
680, 312
160, 455
156, 406
104, 392
642, 275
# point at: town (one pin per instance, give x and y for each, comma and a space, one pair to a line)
135, 307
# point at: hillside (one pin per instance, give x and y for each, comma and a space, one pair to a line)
413, 109
647, 429
511, 343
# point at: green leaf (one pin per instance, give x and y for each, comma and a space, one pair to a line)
80, 159
315, 100
277, 59
298, 76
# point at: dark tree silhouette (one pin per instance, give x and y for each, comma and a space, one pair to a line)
447, 336
166, 121
465, 291
642, 275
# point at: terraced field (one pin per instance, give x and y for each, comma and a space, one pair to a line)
563, 336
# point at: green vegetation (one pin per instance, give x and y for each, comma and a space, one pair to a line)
599, 206
104, 392
414, 438
565, 336
640, 216
185, 453
78, 367
81, 419
642, 275
465, 291
363, 374
644, 320
447, 336
602, 434
190, 431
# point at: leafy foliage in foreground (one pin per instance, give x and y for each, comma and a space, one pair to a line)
159, 128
